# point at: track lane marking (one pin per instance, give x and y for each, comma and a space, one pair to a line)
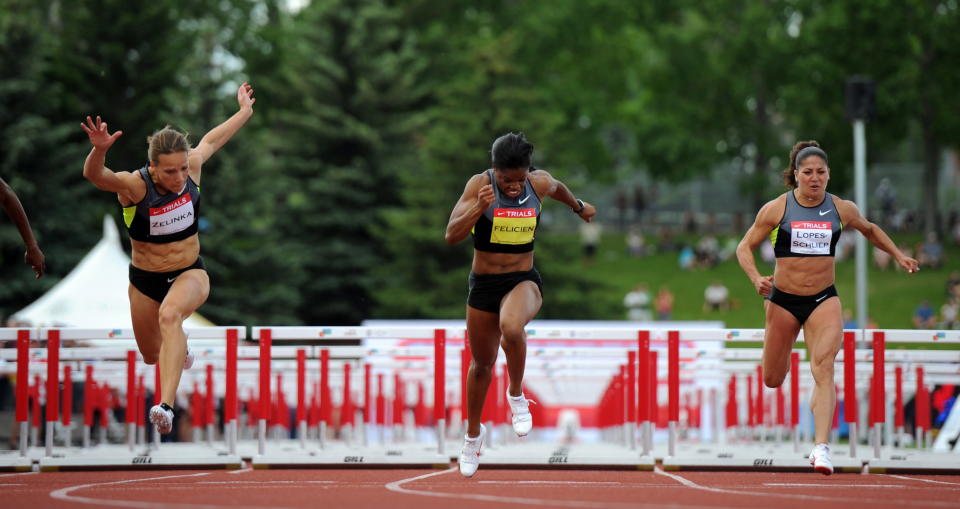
690, 484
396, 486
923, 480
64, 494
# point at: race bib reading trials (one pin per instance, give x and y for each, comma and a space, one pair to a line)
810, 237
513, 226
173, 217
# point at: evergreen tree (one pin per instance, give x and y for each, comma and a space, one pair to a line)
349, 85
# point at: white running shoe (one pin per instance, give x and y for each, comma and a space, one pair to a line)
470, 453
162, 418
820, 459
522, 420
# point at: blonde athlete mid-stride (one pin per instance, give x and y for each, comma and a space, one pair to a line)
161, 210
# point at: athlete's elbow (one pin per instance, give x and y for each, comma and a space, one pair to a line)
451, 239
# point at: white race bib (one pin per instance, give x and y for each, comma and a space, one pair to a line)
810, 237
174, 217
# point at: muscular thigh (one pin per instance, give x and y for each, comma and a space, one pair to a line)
520, 305
823, 331
144, 313
188, 292
779, 335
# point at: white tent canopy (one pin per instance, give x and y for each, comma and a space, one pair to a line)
94, 293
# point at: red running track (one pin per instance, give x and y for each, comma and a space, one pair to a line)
426, 489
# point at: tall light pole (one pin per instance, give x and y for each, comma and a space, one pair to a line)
861, 105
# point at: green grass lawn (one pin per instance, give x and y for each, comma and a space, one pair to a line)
893, 295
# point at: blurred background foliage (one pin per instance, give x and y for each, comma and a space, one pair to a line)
329, 207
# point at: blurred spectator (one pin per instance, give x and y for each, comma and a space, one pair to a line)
766, 252
639, 304
687, 259
589, 239
639, 203
848, 321
707, 251
846, 244
953, 285
953, 225
923, 316
728, 250
665, 242
689, 222
881, 258
716, 297
886, 198
948, 313
930, 253
621, 204
663, 303
636, 245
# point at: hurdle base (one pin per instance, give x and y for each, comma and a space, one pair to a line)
168, 457
345, 456
13, 462
559, 456
914, 463
759, 459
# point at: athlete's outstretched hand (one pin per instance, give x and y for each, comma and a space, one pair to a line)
34, 258
97, 132
764, 285
909, 264
245, 96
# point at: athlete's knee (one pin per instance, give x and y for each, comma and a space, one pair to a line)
822, 369
773, 380
512, 334
170, 316
150, 358
482, 368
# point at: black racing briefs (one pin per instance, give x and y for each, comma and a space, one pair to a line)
156, 284
801, 306
487, 290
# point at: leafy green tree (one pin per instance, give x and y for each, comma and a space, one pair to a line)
483, 87
910, 49
34, 156
348, 85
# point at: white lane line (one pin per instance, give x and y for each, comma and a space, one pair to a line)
12, 484
64, 494
690, 484
234, 483
923, 480
815, 485
241, 471
578, 483
397, 487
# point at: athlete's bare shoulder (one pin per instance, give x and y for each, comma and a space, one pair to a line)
772, 211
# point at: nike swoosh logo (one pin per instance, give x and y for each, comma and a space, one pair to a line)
822, 213
821, 298
525, 198
171, 279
